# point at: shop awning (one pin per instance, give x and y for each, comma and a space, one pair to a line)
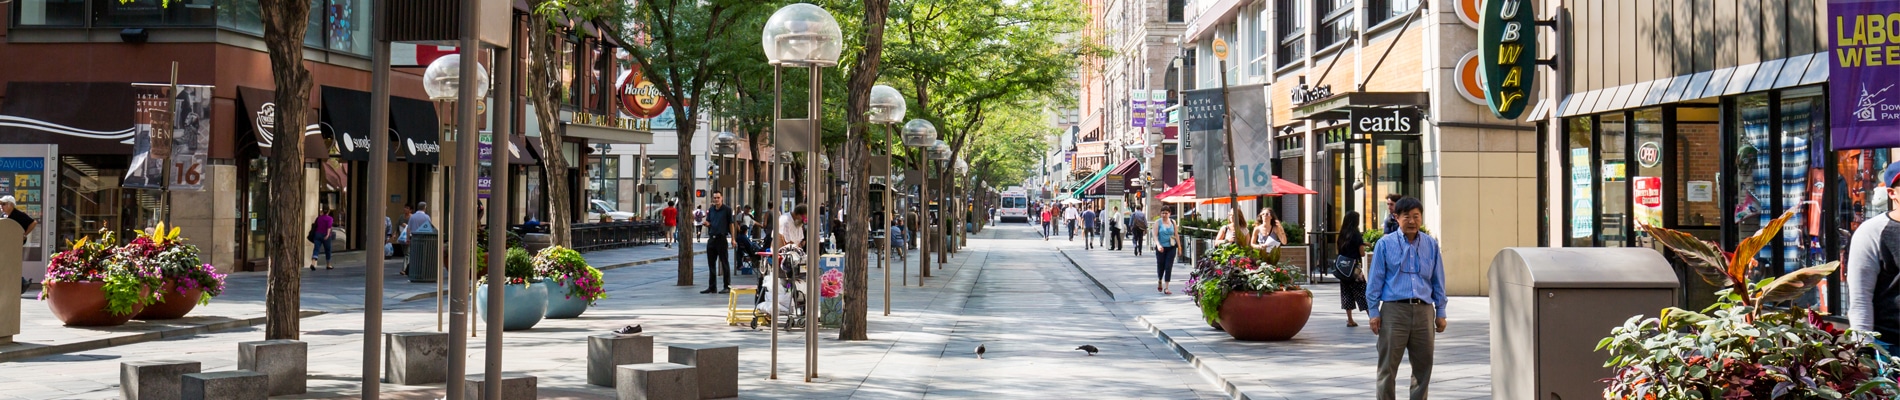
259, 120
1082, 191
1182, 193
347, 123
416, 130
523, 150
80, 117
1100, 186
1774, 74
1340, 106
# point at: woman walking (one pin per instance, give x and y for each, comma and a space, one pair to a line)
320, 239
1352, 248
1164, 251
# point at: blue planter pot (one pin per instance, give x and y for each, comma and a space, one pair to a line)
560, 305
522, 305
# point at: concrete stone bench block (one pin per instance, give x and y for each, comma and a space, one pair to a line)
607, 351
416, 358
657, 381
514, 386
153, 380
224, 385
285, 361
717, 366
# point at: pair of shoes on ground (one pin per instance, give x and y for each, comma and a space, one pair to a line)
711, 291
627, 330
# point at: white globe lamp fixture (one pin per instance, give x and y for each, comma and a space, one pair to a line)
443, 79
887, 105
802, 35
725, 144
940, 151
919, 133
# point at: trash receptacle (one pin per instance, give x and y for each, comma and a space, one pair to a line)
536, 241
1550, 307
422, 256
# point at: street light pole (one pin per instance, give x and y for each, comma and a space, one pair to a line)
804, 35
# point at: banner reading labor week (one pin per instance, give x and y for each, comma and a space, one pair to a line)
1863, 80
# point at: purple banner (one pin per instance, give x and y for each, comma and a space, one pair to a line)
1157, 103
485, 147
1863, 82
1138, 108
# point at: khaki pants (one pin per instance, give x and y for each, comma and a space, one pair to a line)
1406, 329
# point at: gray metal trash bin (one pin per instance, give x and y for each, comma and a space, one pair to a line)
537, 241
1550, 307
422, 256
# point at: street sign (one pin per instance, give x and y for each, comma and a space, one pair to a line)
1220, 48
1114, 186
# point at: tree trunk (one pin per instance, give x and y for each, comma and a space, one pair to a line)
689, 168
284, 25
543, 66
856, 154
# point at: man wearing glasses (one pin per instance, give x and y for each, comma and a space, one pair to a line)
1406, 280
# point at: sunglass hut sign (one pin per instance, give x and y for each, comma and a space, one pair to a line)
1507, 48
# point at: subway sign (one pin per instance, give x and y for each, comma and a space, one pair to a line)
1507, 50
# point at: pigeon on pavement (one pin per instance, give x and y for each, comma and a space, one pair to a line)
1088, 348
979, 351
627, 330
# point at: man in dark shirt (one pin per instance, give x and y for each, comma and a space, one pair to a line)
719, 235
1873, 270
13, 212
1088, 228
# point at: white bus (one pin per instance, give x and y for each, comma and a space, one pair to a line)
1015, 206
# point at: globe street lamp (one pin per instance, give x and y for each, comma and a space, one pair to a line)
922, 135
802, 35
442, 81
725, 144
887, 108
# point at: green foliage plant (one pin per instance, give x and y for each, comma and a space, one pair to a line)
1232, 268
565, 267
517, 267
1739, 347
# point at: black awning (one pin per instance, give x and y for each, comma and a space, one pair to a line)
80, 117
259, 119
414, 121
524, 150
346, 118
1339, 106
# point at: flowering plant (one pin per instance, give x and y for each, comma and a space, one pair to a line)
1231, 268
177, 263
127, 285
567, 268
1738, 348
832, 285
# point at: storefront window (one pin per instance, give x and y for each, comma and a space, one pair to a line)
603, 174
1613, 180
91, 200
50, 12
1803, 163
141, 13
346, 25
666, 186
241, 15
1698, 165
1646, 187
1754, 170
1582, 138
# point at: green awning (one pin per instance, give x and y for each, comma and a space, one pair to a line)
1090, 182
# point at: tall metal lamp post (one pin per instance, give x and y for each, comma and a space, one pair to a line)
887, 108
920, 134
442, 81
940, 151
803, 36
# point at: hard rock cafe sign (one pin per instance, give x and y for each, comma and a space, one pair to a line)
640, 97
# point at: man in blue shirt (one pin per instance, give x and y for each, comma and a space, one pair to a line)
1088, 227
1406, 283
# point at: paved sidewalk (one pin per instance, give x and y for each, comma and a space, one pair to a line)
1327, 360
1017, 296
324, 291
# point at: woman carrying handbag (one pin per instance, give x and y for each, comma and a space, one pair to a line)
1347, 267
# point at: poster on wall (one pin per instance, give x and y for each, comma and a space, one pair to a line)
1648, 193
150, 137
27, 174
1582, 219
1862, 88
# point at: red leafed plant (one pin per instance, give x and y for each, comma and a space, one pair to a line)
1739, 349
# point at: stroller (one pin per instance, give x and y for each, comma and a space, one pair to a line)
785, 303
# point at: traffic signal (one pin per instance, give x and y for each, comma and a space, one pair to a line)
699, 193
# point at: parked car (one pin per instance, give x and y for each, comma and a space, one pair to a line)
600, 211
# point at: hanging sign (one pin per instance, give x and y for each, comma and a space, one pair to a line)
640, 97
1387, 121
1507, 46
1205, 110
1138, 108
1861, 77
1649, 154
1220, 48
1157, 102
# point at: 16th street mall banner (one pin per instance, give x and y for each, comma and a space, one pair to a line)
1864, 49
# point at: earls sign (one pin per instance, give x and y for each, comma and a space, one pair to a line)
1863, 70
1404, 120
1507, 48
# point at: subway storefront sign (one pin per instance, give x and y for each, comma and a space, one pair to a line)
1507, 48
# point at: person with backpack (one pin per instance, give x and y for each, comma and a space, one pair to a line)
1352, 282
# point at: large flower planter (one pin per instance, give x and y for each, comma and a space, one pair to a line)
82, 304
1257, 316
561, 305
522, 305
174, 306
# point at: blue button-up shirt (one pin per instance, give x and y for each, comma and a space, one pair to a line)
1403, 269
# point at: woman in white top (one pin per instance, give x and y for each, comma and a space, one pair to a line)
1268, 234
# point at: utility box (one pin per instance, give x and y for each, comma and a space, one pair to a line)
1550, 307
422, 256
